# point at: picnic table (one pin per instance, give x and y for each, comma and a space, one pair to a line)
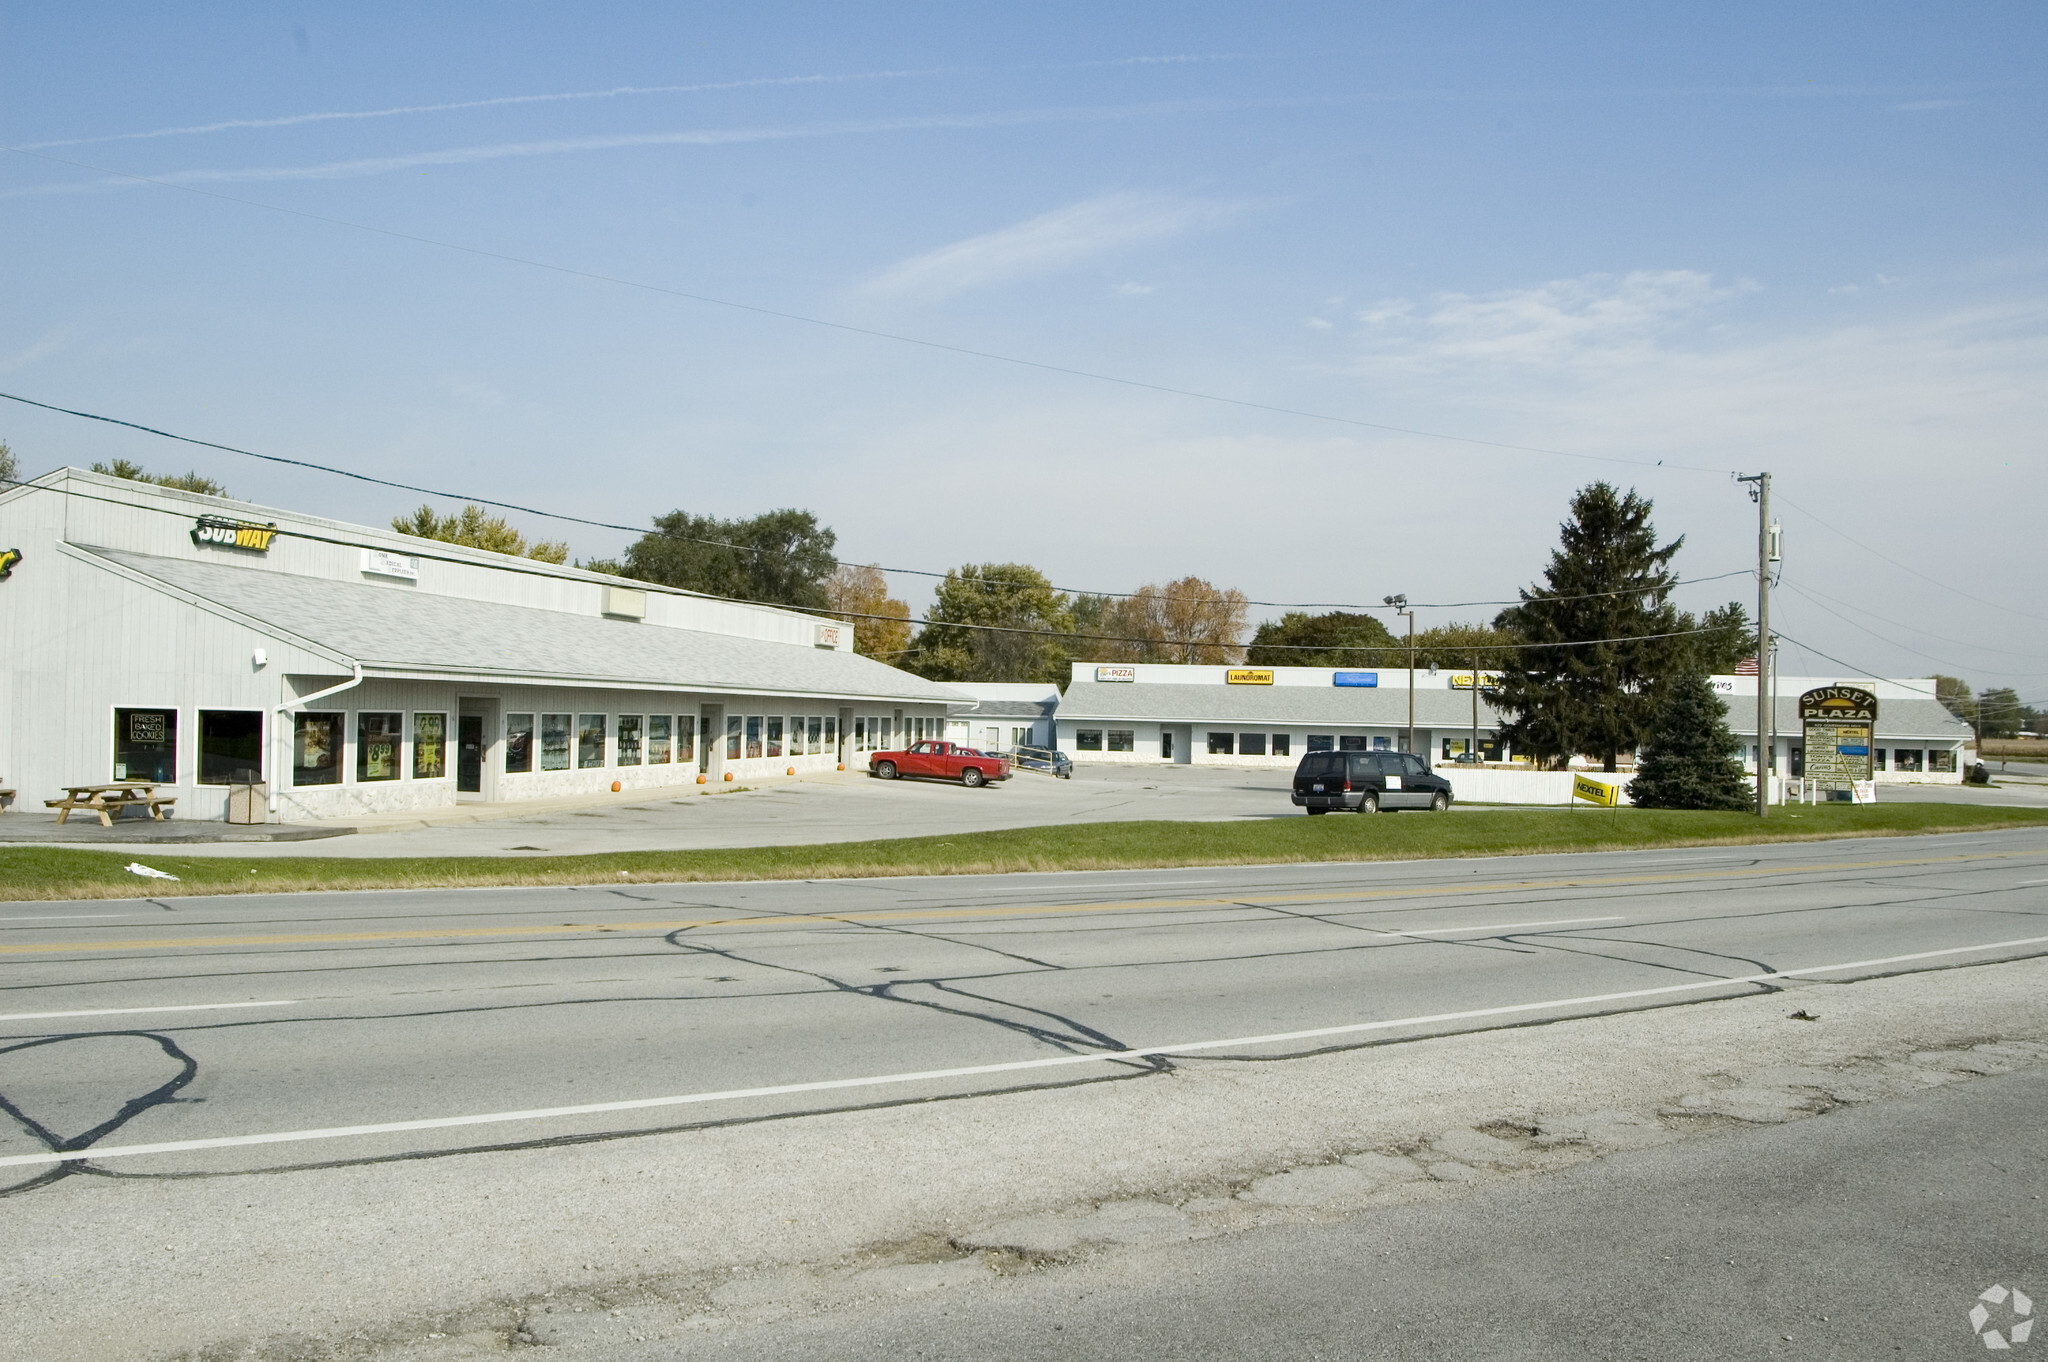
109, 800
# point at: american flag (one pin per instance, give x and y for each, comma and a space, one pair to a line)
1746, 667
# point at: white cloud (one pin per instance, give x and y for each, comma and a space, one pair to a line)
1130, 289
1045, 244
1595, 319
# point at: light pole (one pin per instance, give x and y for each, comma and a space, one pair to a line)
1400, 606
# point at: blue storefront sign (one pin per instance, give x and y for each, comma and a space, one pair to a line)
1371, 679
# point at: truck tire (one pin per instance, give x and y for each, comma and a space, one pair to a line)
972, 778
886, 770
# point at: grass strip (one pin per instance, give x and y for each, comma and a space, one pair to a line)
28, 873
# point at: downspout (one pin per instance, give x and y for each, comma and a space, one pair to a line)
284, 713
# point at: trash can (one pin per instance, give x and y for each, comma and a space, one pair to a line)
248, 802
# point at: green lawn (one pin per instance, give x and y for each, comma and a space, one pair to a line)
65, 872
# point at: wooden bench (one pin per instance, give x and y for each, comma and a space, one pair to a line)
109, 800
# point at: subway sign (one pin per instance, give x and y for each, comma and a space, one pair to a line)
233, 534
8, 558
1249, 676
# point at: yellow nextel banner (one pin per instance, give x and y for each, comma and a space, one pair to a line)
1249, 676
1595, 791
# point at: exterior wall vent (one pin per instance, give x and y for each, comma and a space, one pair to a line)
625, 603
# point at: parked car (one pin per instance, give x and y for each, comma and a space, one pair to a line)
1050, 760
944, 760
1366, 782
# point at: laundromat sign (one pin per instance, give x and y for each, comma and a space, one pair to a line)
233, 534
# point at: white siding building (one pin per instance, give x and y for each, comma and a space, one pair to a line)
1005, 717
192, 641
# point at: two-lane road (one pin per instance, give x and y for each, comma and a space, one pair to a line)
184, 1036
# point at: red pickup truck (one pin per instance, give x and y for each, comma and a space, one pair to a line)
947, 761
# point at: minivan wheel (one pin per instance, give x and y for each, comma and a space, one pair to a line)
1369, 804
1441, 804
886, 770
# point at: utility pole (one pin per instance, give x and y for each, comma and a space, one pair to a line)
1400, 604
1766, 718
1475, 706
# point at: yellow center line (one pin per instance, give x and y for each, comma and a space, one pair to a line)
1004, 910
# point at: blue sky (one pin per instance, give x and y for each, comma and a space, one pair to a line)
1805, 238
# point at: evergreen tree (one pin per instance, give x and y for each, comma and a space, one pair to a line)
1607, 580
1691, 760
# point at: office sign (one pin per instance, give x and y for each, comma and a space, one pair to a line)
1596, 791
384, 563
1249, 676
233, 534
1369, 680
1116, 673
1841, 725
824, 636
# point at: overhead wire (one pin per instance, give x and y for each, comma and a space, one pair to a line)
873, 333
751, 548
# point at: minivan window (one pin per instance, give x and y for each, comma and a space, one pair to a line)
1320, 764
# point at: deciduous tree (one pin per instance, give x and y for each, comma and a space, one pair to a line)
1336, 639
1023, 619
185, 482
781, 557
1187, 621
479, 529
881, 623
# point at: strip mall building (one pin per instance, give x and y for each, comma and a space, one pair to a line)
195, 642
1269, 716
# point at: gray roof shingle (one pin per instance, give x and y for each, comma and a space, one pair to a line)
401, 630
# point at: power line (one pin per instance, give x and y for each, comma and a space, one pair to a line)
1810, 592
744, 548
1931, 657
870, 332
1902, 567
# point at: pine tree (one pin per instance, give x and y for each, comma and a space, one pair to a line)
1607, 580
1691, 760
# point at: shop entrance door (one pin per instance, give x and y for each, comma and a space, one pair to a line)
469, 754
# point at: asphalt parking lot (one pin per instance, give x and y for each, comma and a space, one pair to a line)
841, 807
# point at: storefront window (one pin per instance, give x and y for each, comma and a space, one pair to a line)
753, 735
316, 749
658, 749
518, 744
629, 740
860, 733
1087, 740
1123, 740
1251, 744
1321, 742
1941, 759
377, 745
775, 735
1279, 744
429, 746
230, 746
554, 742
1905, 758
686, 737
814, 728
589, 741
831, 734
1356, 742
733, 723
1222, 744
146, 745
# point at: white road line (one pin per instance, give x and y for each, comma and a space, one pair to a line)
975, 1070
126, 1011
2024, 883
